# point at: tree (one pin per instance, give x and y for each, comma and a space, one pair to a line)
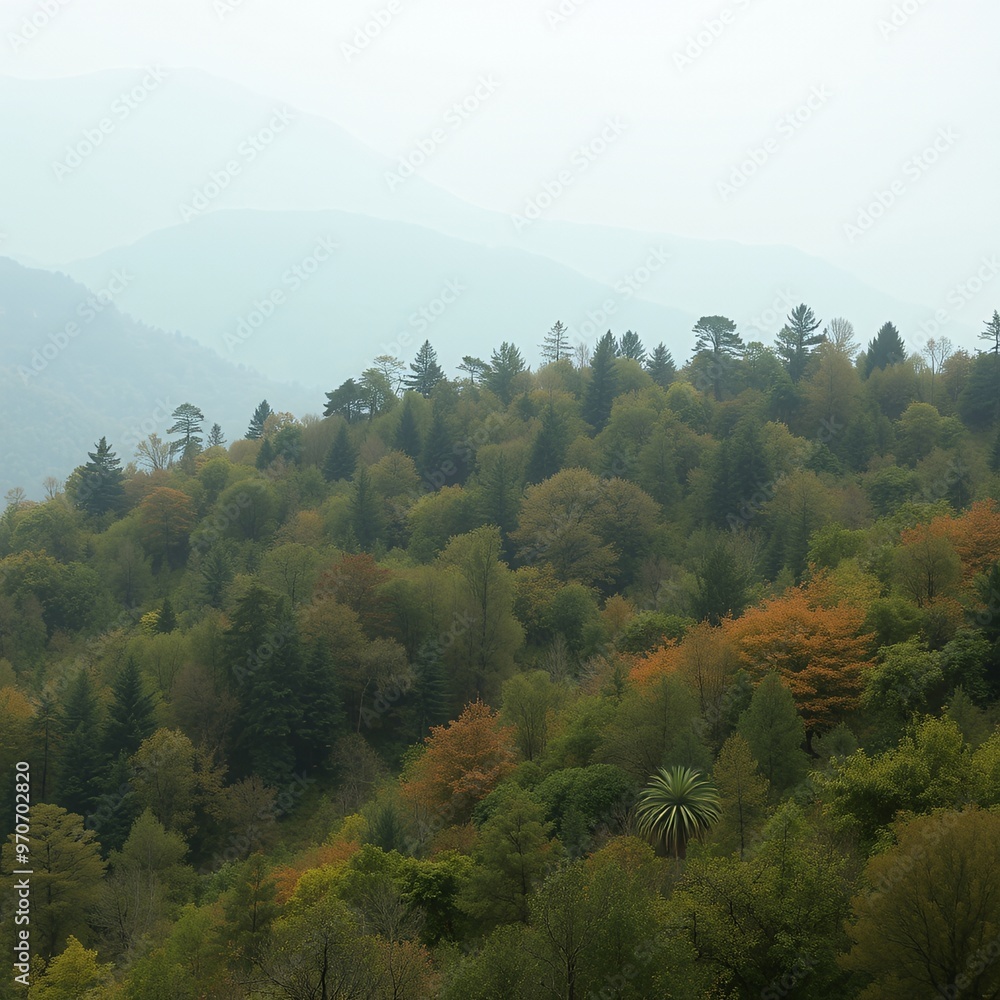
742, 793
548, 450
346, 400
676, 805
513, 851
475, 368
74, 973
82, 758
130, 715
407, 433
528, 700
501, 379
796, 338
99, 489
366, 517
840, 336
215, 439
774, 733
927, 926
153, 453
992, 333
631, 347
723, 578
660, 366
66, 876
426, 371
167, 517
555, 346
937, 351
602, 387
342, 458
256, 429
885, 349
717, 346
187, 423
462, 763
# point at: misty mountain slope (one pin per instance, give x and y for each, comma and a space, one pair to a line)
383, 289
73, 368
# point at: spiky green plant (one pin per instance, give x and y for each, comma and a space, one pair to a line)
675, 806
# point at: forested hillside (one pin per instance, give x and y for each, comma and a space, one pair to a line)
622, 677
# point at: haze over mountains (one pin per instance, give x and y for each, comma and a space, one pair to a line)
276, 240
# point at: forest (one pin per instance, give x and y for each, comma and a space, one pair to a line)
615, 678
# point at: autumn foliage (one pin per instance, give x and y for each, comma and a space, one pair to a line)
974, 535
463, 762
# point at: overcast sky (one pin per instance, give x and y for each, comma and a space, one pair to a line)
898, 99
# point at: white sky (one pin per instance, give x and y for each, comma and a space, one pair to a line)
686, 128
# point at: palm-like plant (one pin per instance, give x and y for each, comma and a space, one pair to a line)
675, 806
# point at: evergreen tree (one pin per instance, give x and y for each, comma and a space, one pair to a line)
474, 367
776, 734
433, 703
215, 439
130, 717
187, 422
81, 758
342, 458
995, 453
216, 571
437, 464
256, 429
717, 347
631, 347
322, 711
548, 451
992, 333
506, 364
348, 399
265, 455
886, 348
407, 434
426, 371
366, 520
555, 346
601, 389
99, 489
661, 367
795, 340
167, 621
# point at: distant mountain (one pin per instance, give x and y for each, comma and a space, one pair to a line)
253, 286
74, 368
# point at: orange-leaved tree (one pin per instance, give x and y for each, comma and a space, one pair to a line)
817, 646
974, 535
462, 763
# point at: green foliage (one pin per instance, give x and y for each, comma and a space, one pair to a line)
775, 734
676, 806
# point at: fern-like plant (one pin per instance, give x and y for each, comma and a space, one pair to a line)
675, 806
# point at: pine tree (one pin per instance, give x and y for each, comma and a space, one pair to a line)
366, 521
797, 338
426, 371
506, 364
603, 383
256, 429
433, 704
776, 733
717, 347
555, 346
661, 367
548, 451
81, 758
187, 422
992, 333
348, 399
130, 717
886, 348
342, 458
265, 455
216, 572
215, 439
474, 367
407, 434
100, 489
631, 347
437, 463
167, 620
